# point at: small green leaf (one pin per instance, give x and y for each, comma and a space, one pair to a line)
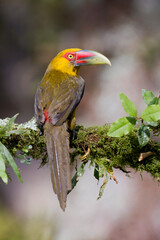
143, 135
3, 173
151, 113
23, 161
26, 160
128, 105
96, 172
80, 170
16, 131
10, 124
10, 160
101, 190
5, 130
148, 97
154, 101
152, 124
122, 127
12, 120
78, 174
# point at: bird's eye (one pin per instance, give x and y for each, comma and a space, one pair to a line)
70, 56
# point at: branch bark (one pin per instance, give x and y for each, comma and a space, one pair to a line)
91, 145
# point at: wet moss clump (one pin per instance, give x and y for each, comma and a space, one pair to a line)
122, 152
91, 145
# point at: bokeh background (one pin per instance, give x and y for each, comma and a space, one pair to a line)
31, 33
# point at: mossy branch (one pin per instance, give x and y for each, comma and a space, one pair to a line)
126, 144
93, 143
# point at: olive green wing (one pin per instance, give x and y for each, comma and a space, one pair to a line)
58, 98
66, 100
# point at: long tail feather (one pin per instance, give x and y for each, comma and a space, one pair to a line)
57, 140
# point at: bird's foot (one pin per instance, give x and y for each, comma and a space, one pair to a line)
72, 136
41, 128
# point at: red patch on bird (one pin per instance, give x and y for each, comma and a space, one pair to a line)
70, 56
47, 119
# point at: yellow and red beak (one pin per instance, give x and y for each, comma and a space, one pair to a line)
88, 57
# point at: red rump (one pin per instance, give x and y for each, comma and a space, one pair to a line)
47, 119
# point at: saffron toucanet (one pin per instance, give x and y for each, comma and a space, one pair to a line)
56, 100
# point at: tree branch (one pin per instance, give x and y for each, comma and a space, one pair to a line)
91, 145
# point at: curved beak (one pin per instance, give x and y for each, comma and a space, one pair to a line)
88, 57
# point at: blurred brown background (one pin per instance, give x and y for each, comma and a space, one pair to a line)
32, 33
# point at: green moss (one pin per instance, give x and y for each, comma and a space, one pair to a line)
29, 143
105, 152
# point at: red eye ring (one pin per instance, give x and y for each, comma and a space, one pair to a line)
70, 56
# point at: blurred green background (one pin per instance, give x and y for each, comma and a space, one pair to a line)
32, 33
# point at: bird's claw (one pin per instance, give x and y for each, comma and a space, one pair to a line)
41, 129
72, 136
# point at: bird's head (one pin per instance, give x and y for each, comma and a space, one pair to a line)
70, 60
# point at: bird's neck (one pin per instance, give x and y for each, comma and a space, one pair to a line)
62, 66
